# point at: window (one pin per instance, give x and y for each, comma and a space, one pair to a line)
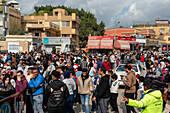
56, 22
56, 13
66, 24
162, 30
65, 35
169, 39
37, 34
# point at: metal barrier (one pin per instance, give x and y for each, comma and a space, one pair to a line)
16, 103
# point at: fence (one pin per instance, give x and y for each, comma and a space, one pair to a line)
13, 104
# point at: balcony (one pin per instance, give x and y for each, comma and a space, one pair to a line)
46, 25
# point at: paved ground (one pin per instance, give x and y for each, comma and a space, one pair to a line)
121, 104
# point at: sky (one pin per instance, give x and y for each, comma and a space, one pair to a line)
110, 11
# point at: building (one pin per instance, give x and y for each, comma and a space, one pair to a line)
60, 24
20, 43
123, 32
10, 17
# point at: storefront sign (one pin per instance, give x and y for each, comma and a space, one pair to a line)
111, 38
13, 47
100, 37
56, 40
141, 40
126, 38
1, 9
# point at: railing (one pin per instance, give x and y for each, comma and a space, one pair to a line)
16, 103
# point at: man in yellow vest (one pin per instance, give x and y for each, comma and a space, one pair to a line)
151, 102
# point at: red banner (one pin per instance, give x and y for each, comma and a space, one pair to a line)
111, 38
126, 39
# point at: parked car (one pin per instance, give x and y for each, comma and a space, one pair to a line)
120, 71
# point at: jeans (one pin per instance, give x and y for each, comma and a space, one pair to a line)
93, 103
113, 65
69, 104
130, 108
102, 106
18, 109
85, 102
113, 101
38, 103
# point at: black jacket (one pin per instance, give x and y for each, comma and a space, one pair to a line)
103, 89
56, 94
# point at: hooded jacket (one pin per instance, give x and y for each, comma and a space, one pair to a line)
130, 84
56, 94
151, 102
85, 86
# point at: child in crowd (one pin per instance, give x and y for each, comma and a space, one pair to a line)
114, 93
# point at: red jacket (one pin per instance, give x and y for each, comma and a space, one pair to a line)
107, 65
142, 58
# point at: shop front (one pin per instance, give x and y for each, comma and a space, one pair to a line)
61, 44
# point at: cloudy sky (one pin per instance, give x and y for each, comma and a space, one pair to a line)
110, 11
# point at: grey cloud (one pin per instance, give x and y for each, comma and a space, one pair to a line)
109, 10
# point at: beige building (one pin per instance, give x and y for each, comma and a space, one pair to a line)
161, 28
10, 17
60, 24
20, 43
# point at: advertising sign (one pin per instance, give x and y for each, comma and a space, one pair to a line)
56, 40
13, 47
5, 108
111, 38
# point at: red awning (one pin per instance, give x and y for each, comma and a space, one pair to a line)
106, 44
133, 42
93, 44
122, 45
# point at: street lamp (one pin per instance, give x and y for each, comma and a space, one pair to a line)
115, 33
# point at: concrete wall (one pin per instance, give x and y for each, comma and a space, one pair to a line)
22, 45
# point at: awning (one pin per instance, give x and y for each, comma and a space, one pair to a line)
106, 44
122, 45
93, 44
133, 42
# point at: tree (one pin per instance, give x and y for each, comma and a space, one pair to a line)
88, 23
4, 1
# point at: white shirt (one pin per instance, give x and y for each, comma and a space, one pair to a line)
71, 85
114, 87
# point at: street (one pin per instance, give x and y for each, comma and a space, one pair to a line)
121, 105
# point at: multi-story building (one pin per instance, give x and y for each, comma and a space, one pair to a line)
60, 24
161, 28
10, 17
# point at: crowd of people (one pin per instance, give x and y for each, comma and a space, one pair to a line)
55, 82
